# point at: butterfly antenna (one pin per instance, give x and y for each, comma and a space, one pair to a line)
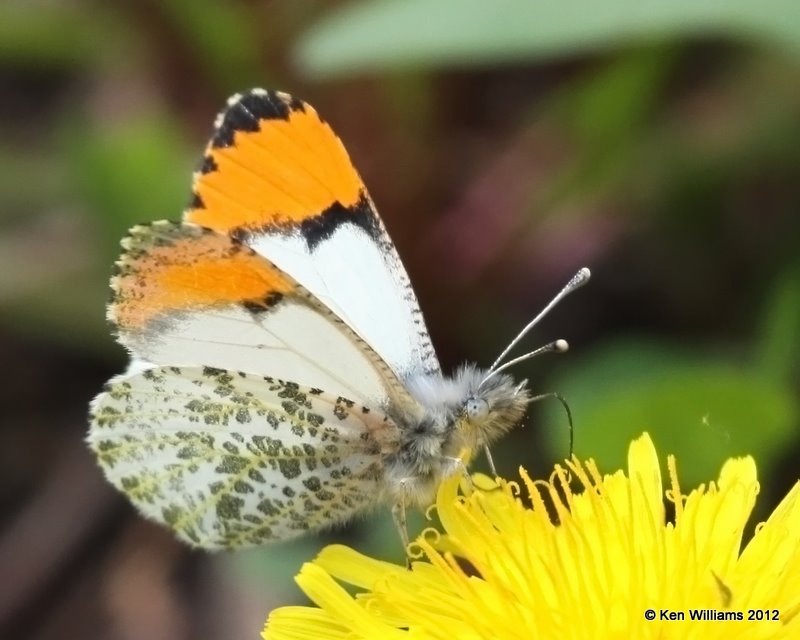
560, 398
557, 346
576, 282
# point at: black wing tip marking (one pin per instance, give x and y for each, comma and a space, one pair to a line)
245, 110
196, 202
208, 164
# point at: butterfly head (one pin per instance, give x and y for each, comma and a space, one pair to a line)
490, 407
474, 407
469, 410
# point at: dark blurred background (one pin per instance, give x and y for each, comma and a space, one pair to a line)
506, 143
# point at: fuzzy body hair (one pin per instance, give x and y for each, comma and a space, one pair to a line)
460, 414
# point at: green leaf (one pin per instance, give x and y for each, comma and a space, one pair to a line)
378, 35
606, 114
224, 36
120, 172
67, 308
59, 36
272, 569
128, 172
780, 333
702, 410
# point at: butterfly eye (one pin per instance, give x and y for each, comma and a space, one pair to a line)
476, 408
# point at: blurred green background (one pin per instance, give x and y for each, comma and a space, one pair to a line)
507, 144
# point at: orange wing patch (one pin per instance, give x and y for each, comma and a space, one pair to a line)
272, 162
169, 267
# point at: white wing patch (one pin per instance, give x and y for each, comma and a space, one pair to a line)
364, 283
233, 460
290, 341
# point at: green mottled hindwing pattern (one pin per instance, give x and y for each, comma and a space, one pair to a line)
228, 459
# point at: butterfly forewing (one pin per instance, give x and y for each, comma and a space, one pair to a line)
228, 459
276, 177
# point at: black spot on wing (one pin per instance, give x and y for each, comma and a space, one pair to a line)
269, 105
208, 164
255, 307
237, 117
265, 304
244, 114
273, 298
196, 202
315, 230
319, 228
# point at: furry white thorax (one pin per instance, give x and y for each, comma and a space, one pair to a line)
460, 414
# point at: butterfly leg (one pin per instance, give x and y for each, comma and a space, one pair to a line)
399, 517
490, 460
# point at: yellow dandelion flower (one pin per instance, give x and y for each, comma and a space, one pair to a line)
599, 563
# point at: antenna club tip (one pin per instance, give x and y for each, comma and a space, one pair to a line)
578, 280
561, 345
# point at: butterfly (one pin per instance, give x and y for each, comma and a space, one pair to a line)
282, 378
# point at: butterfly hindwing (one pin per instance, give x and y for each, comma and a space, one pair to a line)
276, 177
228, 459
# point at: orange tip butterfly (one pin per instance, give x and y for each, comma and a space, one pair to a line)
282, 378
